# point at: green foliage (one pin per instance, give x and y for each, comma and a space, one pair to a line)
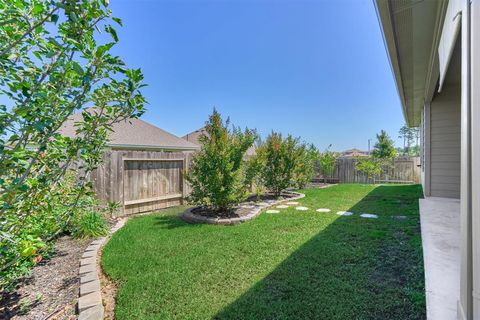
409, 136
280, 160
253, 168
305, 168
216, 174
370, 166
90, 224
327, 161
384, 148
52, 65
112, 207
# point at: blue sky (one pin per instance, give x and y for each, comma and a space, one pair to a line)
315, 69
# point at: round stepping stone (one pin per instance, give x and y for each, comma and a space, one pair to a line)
369, 215
399, 217
323, 210
292, 203
282, 206
344, 213
301, 208
272, 211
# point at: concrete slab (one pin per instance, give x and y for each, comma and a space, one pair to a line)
440, 223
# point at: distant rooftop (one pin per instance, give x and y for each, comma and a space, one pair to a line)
134, 133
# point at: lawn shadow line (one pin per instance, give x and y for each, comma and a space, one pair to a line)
343, 272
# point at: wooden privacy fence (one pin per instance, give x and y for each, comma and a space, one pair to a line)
403, 170
142, 181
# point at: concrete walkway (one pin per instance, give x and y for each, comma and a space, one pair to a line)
440, 221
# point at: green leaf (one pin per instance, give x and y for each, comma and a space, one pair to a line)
112, 32
77, 68
54, 18
118, 20
73, 16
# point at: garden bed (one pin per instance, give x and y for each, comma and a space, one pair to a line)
51, 289
241, 213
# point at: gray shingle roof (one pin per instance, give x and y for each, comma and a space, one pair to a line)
135, 133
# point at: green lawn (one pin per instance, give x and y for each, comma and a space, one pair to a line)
291, 265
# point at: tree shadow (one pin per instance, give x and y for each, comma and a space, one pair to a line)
171, 222
356, 268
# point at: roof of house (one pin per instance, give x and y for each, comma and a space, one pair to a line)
194, 136
135, 134
411, 31
354, 153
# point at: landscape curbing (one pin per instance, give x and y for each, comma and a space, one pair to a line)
90, 304
191, 217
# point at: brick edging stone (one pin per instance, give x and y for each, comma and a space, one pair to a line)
90, 305
191, 217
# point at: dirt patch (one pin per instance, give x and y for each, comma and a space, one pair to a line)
51, 289
109, 292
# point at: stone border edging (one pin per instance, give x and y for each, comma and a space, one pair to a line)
191, 217
90, 305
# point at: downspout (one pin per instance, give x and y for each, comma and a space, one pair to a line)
474, 78
465, 307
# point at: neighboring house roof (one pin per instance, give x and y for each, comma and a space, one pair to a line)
354, 153
195, 135
412, 31
135, 134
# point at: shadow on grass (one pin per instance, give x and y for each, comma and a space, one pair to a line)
356, 268
171, 222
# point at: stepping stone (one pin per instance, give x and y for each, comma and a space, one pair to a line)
323, 210
272, 211
399, 217
369, 216
301, 208
248, 206
263, 204
344, 213
292, 203
282, 206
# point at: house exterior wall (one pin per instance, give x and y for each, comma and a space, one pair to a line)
444, 143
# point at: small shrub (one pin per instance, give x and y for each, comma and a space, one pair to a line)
327, 161
216, 174
91, 224
305, 170
370, 166
280, 158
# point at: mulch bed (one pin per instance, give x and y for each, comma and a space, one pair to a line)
244, 208
51, 289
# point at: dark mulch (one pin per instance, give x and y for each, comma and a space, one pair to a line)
51, 289
243, 208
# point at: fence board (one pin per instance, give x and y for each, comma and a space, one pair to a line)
404, 170
141, 181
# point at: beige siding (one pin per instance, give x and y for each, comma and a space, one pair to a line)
445, 143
